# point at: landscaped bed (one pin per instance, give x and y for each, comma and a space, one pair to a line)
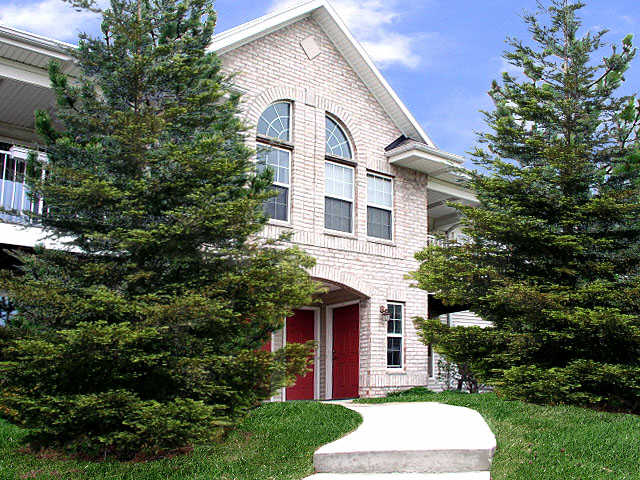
549, 443
276, 441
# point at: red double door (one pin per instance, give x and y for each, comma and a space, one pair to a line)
346, 355
300, 328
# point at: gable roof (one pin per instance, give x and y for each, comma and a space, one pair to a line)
324, 14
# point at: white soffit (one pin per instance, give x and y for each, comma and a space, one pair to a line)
324, 14
451, 190
33, 51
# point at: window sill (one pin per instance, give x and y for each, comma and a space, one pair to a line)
279, 223
337, 233
381, 241
396, 371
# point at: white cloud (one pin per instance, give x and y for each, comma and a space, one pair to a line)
372, 22
454, 118
51, 18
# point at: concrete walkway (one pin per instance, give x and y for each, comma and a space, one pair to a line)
409, 441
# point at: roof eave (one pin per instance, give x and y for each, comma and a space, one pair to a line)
49, 45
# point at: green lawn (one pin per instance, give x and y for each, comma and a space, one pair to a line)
549, 443
276, 441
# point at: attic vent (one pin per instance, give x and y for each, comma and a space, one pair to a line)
310, 47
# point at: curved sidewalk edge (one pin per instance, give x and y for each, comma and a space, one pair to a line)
416, 438
401, 476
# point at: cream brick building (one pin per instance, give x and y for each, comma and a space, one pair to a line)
361, 186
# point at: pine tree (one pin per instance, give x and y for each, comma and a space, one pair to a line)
146, 332
553, 252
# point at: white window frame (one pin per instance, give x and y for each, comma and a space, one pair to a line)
351, 200
280, 184
346, 136
288, 141
395, 335
381, 207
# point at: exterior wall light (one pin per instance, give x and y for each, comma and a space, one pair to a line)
384, 313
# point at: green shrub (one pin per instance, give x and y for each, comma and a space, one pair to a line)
549, 252
147, 333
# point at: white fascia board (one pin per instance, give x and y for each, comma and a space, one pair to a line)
451, 189
36, 43
415, 156
378, 78
426, 149
245, 33
24, 73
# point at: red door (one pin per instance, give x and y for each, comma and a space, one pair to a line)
300, 329
346, 359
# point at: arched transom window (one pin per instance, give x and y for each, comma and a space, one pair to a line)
274, 153
337, 143
275, 121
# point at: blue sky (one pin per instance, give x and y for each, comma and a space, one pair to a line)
439, 55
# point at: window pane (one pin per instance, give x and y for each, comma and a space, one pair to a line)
394, 326
275, 159
379, 191
338, 181
337, 143
395, 311
394, 352
274, 121
378, 223
337, 214
278, 207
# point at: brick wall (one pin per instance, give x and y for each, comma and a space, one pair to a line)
275, 67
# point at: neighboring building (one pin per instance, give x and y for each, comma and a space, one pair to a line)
360, 185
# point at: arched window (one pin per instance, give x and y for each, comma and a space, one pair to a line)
274, 129
339, 180
275, 121
337, 143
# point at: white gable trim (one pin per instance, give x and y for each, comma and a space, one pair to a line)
324, 14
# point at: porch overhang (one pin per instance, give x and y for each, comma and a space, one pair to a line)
424, 158
24, 80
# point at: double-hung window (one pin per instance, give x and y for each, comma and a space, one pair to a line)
338, 199
395, 328
274, 152
379, 207
338, 179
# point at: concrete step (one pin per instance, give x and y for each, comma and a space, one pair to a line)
403, 437
401, 476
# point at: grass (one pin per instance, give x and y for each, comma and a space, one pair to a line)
545, 443
276, 441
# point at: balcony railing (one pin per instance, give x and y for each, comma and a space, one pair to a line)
433, 240
17, 205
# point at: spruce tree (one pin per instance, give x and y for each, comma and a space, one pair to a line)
553, 246
146, 330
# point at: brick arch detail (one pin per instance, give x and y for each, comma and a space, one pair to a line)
258, 103
262, 100
345, 120
331, 274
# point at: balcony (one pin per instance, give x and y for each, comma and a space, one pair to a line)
16, 203
432, 240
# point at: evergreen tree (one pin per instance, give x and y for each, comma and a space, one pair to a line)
147, 331
553, 252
